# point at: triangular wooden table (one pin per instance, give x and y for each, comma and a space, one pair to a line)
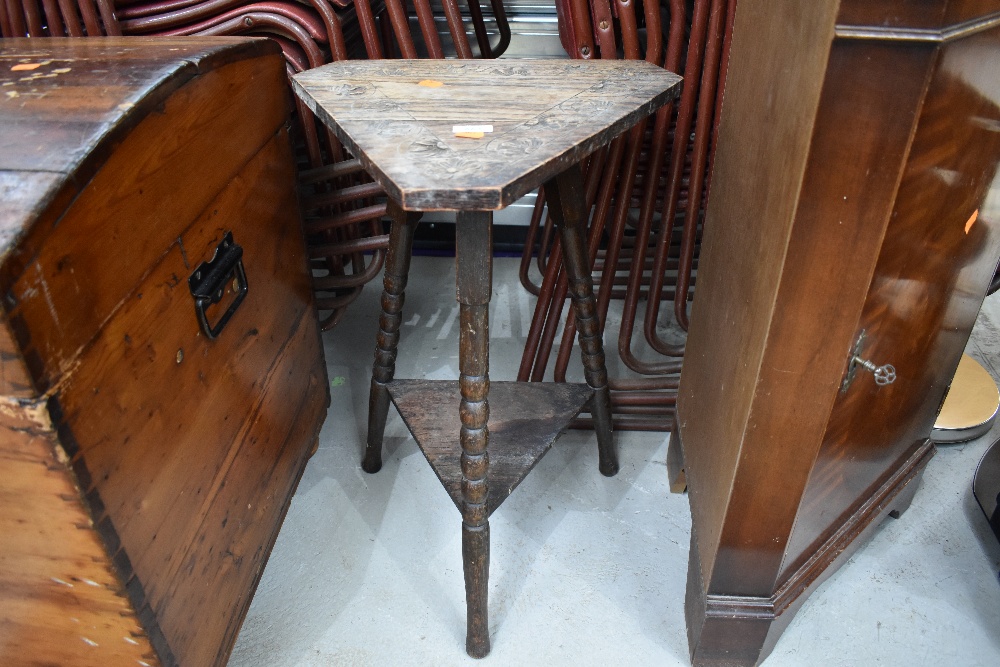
473, 137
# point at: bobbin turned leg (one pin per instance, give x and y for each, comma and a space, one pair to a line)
473, 251
397, 267
566, 204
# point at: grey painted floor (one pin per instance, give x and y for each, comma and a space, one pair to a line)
584, 570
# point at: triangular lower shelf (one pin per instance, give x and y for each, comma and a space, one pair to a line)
525, 419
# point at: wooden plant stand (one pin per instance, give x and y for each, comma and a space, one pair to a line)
400, 119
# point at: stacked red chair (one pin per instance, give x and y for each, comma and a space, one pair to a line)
647, 191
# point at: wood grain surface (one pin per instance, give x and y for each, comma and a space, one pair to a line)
525, 419
146, 484
66, 115
862, 206
907, 16
937, 258
137, 157
745, 257
813, 325
15, 380
62, 114
55, 579
59, 292
545, 115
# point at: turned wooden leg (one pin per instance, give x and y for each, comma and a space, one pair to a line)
566, 205
473, 251
397, 267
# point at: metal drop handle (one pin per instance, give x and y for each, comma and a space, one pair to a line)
209, 281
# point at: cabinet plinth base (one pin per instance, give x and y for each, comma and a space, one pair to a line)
740, 631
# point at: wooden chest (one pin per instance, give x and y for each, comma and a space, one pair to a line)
146, 458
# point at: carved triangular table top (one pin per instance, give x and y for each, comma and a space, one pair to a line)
399, 118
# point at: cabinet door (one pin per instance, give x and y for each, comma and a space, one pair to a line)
936, 262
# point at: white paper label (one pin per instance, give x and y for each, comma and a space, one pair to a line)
471, 128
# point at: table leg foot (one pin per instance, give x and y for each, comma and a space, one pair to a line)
378, 412
372, 462
476, 561
600, 409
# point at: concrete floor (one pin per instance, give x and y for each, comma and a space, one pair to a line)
584, 570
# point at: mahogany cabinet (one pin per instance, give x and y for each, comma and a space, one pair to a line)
855, 198
161, 373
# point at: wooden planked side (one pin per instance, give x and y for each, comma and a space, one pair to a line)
61, 603
162, 417
220, 570
21, 196
186, 450
77, 273
196, 402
